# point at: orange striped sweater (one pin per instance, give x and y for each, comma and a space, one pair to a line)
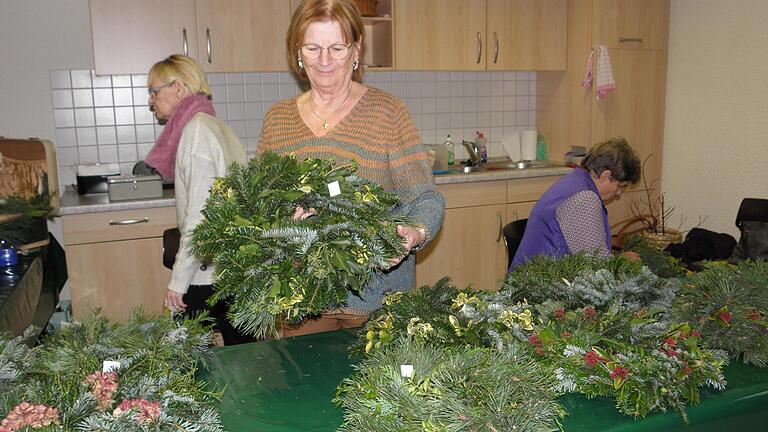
380, 135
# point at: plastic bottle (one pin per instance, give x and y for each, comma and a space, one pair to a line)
541, 148
8, 256
482, 147
449, 148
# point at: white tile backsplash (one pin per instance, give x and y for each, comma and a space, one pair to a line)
106, 118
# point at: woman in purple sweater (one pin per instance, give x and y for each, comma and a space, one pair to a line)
571, 216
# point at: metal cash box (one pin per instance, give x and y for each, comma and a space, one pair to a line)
133, 187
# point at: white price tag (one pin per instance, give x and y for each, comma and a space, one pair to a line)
406, 371
110, 366
334, 188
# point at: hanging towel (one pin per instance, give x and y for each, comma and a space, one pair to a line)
603, 77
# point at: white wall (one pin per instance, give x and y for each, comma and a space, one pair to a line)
716, 134
37, 36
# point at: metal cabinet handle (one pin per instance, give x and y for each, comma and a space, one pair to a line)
496, 47
501, 228
479, 48
208, 44
625, 40
129, 221
514, 214
184, 42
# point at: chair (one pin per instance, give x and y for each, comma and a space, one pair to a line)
513, 235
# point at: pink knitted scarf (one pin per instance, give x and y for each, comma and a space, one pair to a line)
162, 157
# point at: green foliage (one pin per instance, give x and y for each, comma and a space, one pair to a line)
29, 210
472, 390
581, 280
645, 364
158, 359
728, 305
661, 263
271, 267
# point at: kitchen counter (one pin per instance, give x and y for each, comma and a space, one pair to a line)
501, 174
72, 203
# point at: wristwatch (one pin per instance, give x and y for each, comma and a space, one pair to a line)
423, 230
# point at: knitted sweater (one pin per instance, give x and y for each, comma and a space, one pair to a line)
206, 149
379, 134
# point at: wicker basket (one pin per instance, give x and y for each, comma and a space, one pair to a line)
661, 240
367, 7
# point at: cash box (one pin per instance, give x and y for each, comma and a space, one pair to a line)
133, 187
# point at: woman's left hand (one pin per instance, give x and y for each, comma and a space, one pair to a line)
412, 237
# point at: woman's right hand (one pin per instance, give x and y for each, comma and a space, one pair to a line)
301, 213
173, 301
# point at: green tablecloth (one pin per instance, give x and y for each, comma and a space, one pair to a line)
287, 385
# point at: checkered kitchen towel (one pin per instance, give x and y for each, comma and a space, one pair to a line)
604, 81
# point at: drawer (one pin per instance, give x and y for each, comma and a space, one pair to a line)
474, 193
528, 189
118, 225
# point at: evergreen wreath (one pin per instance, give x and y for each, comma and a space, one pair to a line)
582, 279
469, 390
728, 305
272, 268
60, 385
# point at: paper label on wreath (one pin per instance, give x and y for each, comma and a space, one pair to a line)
110, 366
406, 371
334, 188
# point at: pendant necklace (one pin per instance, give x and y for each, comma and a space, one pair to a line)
326, 125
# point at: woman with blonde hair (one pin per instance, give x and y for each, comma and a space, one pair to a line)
194, 148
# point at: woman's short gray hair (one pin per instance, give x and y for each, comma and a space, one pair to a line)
614, 155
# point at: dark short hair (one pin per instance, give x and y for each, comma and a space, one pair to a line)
614, 155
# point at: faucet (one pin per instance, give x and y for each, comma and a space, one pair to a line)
474, 159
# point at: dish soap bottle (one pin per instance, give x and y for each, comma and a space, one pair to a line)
482, 147
449, 149
541, 148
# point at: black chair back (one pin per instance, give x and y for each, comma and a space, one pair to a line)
513, 235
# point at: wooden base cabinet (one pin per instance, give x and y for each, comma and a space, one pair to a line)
470, 247
115, 261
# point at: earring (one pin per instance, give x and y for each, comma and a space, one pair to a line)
301, 64
355, 65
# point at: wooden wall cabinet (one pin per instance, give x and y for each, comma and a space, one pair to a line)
115, 261
129, 36
568, 114
470, 247
480, 34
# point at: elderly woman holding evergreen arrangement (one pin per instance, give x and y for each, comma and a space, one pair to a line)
340, 118
194, 148
571, 216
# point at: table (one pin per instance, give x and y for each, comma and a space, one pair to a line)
287, 385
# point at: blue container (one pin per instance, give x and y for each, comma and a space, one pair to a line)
8, 255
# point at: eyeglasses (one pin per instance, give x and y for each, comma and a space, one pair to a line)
153, 90
338, 51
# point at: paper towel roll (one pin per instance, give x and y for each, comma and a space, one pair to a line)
528, 145
511, 144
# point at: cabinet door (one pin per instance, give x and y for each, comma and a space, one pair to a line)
469, 248
129, 36
527, 34
631, 23
117, 276
635, 110
440, 35
242, 35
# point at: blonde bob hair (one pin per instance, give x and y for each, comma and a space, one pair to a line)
183, 69
345, 12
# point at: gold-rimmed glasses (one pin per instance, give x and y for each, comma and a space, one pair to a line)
338, 51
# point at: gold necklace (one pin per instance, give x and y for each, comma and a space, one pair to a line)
326, 125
